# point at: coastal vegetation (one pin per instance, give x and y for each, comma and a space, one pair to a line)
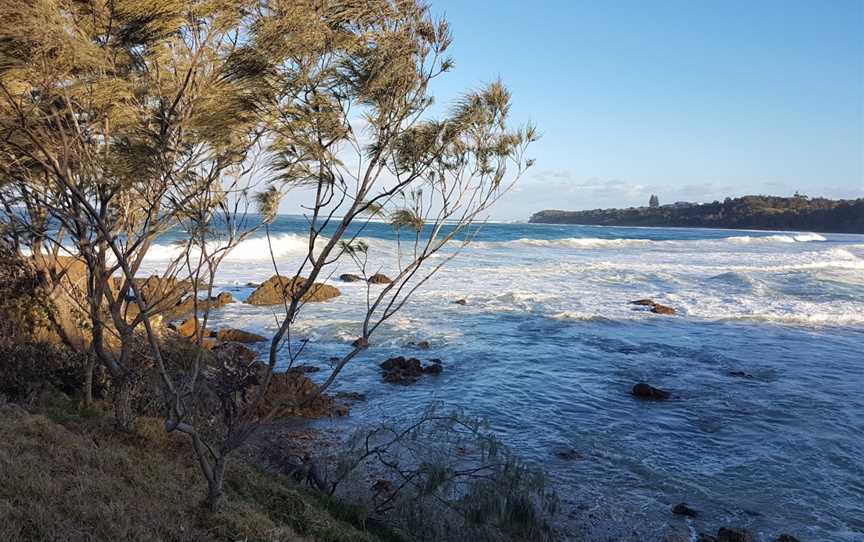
124, 122
797, 213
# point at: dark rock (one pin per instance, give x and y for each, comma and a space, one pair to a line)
728, 534
705, 538
348, 277
683, 510
423, 345
360, 343
644, 302
383, 487
644, 391
434, 369
568, 454
351, 396
741, 374
786, 538
460, 302
378, 278
401, 370
280, 289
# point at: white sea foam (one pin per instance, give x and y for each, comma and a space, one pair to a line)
795, 238
254, 249
570, 242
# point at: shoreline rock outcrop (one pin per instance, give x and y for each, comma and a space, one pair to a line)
278, 289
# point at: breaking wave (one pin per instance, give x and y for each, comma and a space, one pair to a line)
798, 238
252, 249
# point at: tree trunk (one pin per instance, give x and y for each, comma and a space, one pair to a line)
89, 367
123, 416
216, 484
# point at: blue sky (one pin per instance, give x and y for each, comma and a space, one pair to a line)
690, 99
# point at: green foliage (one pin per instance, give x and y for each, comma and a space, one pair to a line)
748, 212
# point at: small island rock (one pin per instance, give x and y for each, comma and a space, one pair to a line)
645, 391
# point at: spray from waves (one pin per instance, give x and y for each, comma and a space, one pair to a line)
252, 249
799, 238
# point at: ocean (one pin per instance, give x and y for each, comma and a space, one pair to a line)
765, 429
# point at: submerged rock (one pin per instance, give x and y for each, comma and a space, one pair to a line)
568, 454
728, 534
741, 374
683, 510
645, 391
279, 289
378, 278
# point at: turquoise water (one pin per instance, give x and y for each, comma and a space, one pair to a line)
547, 347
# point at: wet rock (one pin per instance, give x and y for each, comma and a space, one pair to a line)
351, 396
655, 307
423, 345
434, 369
786, 538
645, 391
568, 454
279, 289
238, 336
360, 342
741, 374
461, 302
378, 278
348, 277
225, 298
705, 538
683, 510
728, 534
405, 371
662, 309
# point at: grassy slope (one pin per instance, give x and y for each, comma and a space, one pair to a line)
67, 476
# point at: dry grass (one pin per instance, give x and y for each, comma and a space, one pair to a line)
68, 476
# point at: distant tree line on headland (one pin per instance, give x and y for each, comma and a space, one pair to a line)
749, 212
